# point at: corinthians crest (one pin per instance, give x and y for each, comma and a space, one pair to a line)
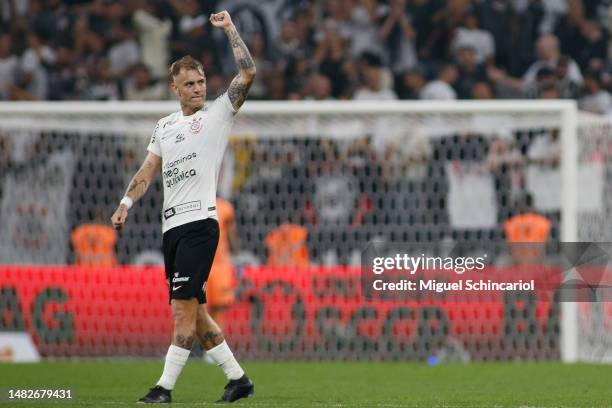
195, 125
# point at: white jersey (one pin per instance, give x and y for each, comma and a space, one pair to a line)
191, 148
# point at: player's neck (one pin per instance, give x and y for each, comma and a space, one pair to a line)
190, 110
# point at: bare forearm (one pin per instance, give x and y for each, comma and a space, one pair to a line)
140, 182
244, 61
239, 88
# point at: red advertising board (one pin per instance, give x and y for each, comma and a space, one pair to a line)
279, 313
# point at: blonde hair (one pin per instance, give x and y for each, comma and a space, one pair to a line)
188, 63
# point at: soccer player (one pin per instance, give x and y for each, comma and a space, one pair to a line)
188, 147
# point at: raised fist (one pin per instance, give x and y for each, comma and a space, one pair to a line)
221, 20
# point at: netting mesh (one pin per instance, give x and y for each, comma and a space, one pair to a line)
344, 178
594, 220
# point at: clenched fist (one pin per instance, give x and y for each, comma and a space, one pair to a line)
118, 218
221, 20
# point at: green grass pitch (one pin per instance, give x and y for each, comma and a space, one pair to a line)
316, 384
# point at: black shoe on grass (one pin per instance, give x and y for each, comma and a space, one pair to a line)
236, 389
156, 395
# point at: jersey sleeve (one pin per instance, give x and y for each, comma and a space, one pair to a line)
154, 146
226, 105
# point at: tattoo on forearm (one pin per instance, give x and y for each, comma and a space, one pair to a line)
240, 50
239, 88
238, 91
137, 187
184, 342
211, 339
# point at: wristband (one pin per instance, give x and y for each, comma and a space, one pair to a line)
127, 201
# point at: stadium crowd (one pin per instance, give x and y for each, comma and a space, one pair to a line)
309, 49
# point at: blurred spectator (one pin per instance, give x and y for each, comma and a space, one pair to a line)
568, 28
141, 87
595, 44
103, 87
318, 88
377, 84
215, 86
124, 52
192, 34
595, 99
482, 90
506, 163
446, 20
355, 22
470, 35
94, 245
496, 17
54, 22
257, 47
526, 233
568, 85
543, 157
287, 246
288, 42
8, 65
62, 76
422, 12
470, 71
331, 58
549, 56
441, 88
33, 66
222, 281
276, 86
153, 36
397, 31
549, 91
412, 83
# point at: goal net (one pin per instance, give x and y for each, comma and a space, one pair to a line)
310, 185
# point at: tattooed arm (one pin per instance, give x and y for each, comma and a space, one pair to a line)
138, 186
239, 88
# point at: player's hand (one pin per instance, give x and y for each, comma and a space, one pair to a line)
221, 20
118, 218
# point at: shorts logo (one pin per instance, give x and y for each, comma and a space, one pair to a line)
179, 279
176, 287
182, 208
196, 125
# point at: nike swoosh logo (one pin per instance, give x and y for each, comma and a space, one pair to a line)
177, 287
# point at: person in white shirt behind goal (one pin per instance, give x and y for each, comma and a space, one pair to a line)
188, 146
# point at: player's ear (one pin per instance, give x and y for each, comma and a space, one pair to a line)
173, 87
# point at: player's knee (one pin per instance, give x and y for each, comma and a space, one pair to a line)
184, 337
184, 314
207, 324
203, 322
